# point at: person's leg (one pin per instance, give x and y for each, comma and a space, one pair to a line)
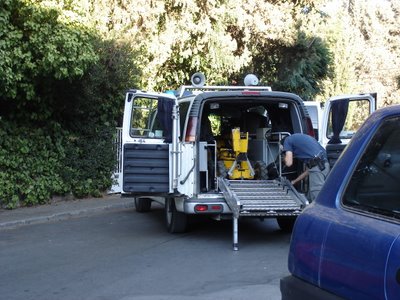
316, 180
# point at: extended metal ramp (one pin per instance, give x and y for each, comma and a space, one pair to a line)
260, 198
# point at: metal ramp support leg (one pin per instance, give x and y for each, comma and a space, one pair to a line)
234, 204
235, 233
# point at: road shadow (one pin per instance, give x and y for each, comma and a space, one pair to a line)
251, 230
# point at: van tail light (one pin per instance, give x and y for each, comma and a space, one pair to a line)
191, 130
201, 208
208, 208
309, 127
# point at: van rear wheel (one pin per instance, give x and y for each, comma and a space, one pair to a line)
142, 204
176, 221
286, 223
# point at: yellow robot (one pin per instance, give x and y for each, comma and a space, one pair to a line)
233, 162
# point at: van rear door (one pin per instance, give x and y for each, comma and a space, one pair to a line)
149, 137
342, 117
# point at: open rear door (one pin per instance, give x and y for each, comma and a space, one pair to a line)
149, 137
342, 117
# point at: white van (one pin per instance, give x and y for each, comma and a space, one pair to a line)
206, 151
315, 112
212, 150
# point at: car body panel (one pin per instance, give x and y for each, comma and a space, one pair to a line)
392, 276
348, 252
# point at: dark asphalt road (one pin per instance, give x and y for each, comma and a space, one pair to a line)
126, 255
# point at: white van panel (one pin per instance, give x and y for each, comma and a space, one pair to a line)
187, 165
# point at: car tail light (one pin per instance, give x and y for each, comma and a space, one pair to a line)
309, 129
191, 130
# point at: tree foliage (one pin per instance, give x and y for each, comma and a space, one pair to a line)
298, 68
65, 65
364, 39
37, 46
174, 38
61, 98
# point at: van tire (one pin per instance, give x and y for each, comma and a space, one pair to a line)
261, 170
286, 223
142, 204
176, 221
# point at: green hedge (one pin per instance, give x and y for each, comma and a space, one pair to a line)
38, 163
61, 97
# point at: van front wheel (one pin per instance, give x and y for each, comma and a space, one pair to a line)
176, 221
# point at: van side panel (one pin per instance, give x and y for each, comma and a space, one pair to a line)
146, 168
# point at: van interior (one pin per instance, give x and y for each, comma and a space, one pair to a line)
240, 140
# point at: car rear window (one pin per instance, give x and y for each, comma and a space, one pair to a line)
374, 186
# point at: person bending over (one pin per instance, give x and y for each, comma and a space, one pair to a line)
307, 149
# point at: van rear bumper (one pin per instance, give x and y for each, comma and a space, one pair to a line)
212, 201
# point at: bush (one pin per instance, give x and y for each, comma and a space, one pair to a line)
38, 163
30, 164
61, 96
88, 163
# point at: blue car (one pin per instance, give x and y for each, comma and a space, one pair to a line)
346, 244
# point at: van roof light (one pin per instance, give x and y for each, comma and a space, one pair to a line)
251, 80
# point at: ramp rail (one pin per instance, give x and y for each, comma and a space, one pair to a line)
260, 198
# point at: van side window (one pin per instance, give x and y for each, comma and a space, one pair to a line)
143, 117
374, 186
